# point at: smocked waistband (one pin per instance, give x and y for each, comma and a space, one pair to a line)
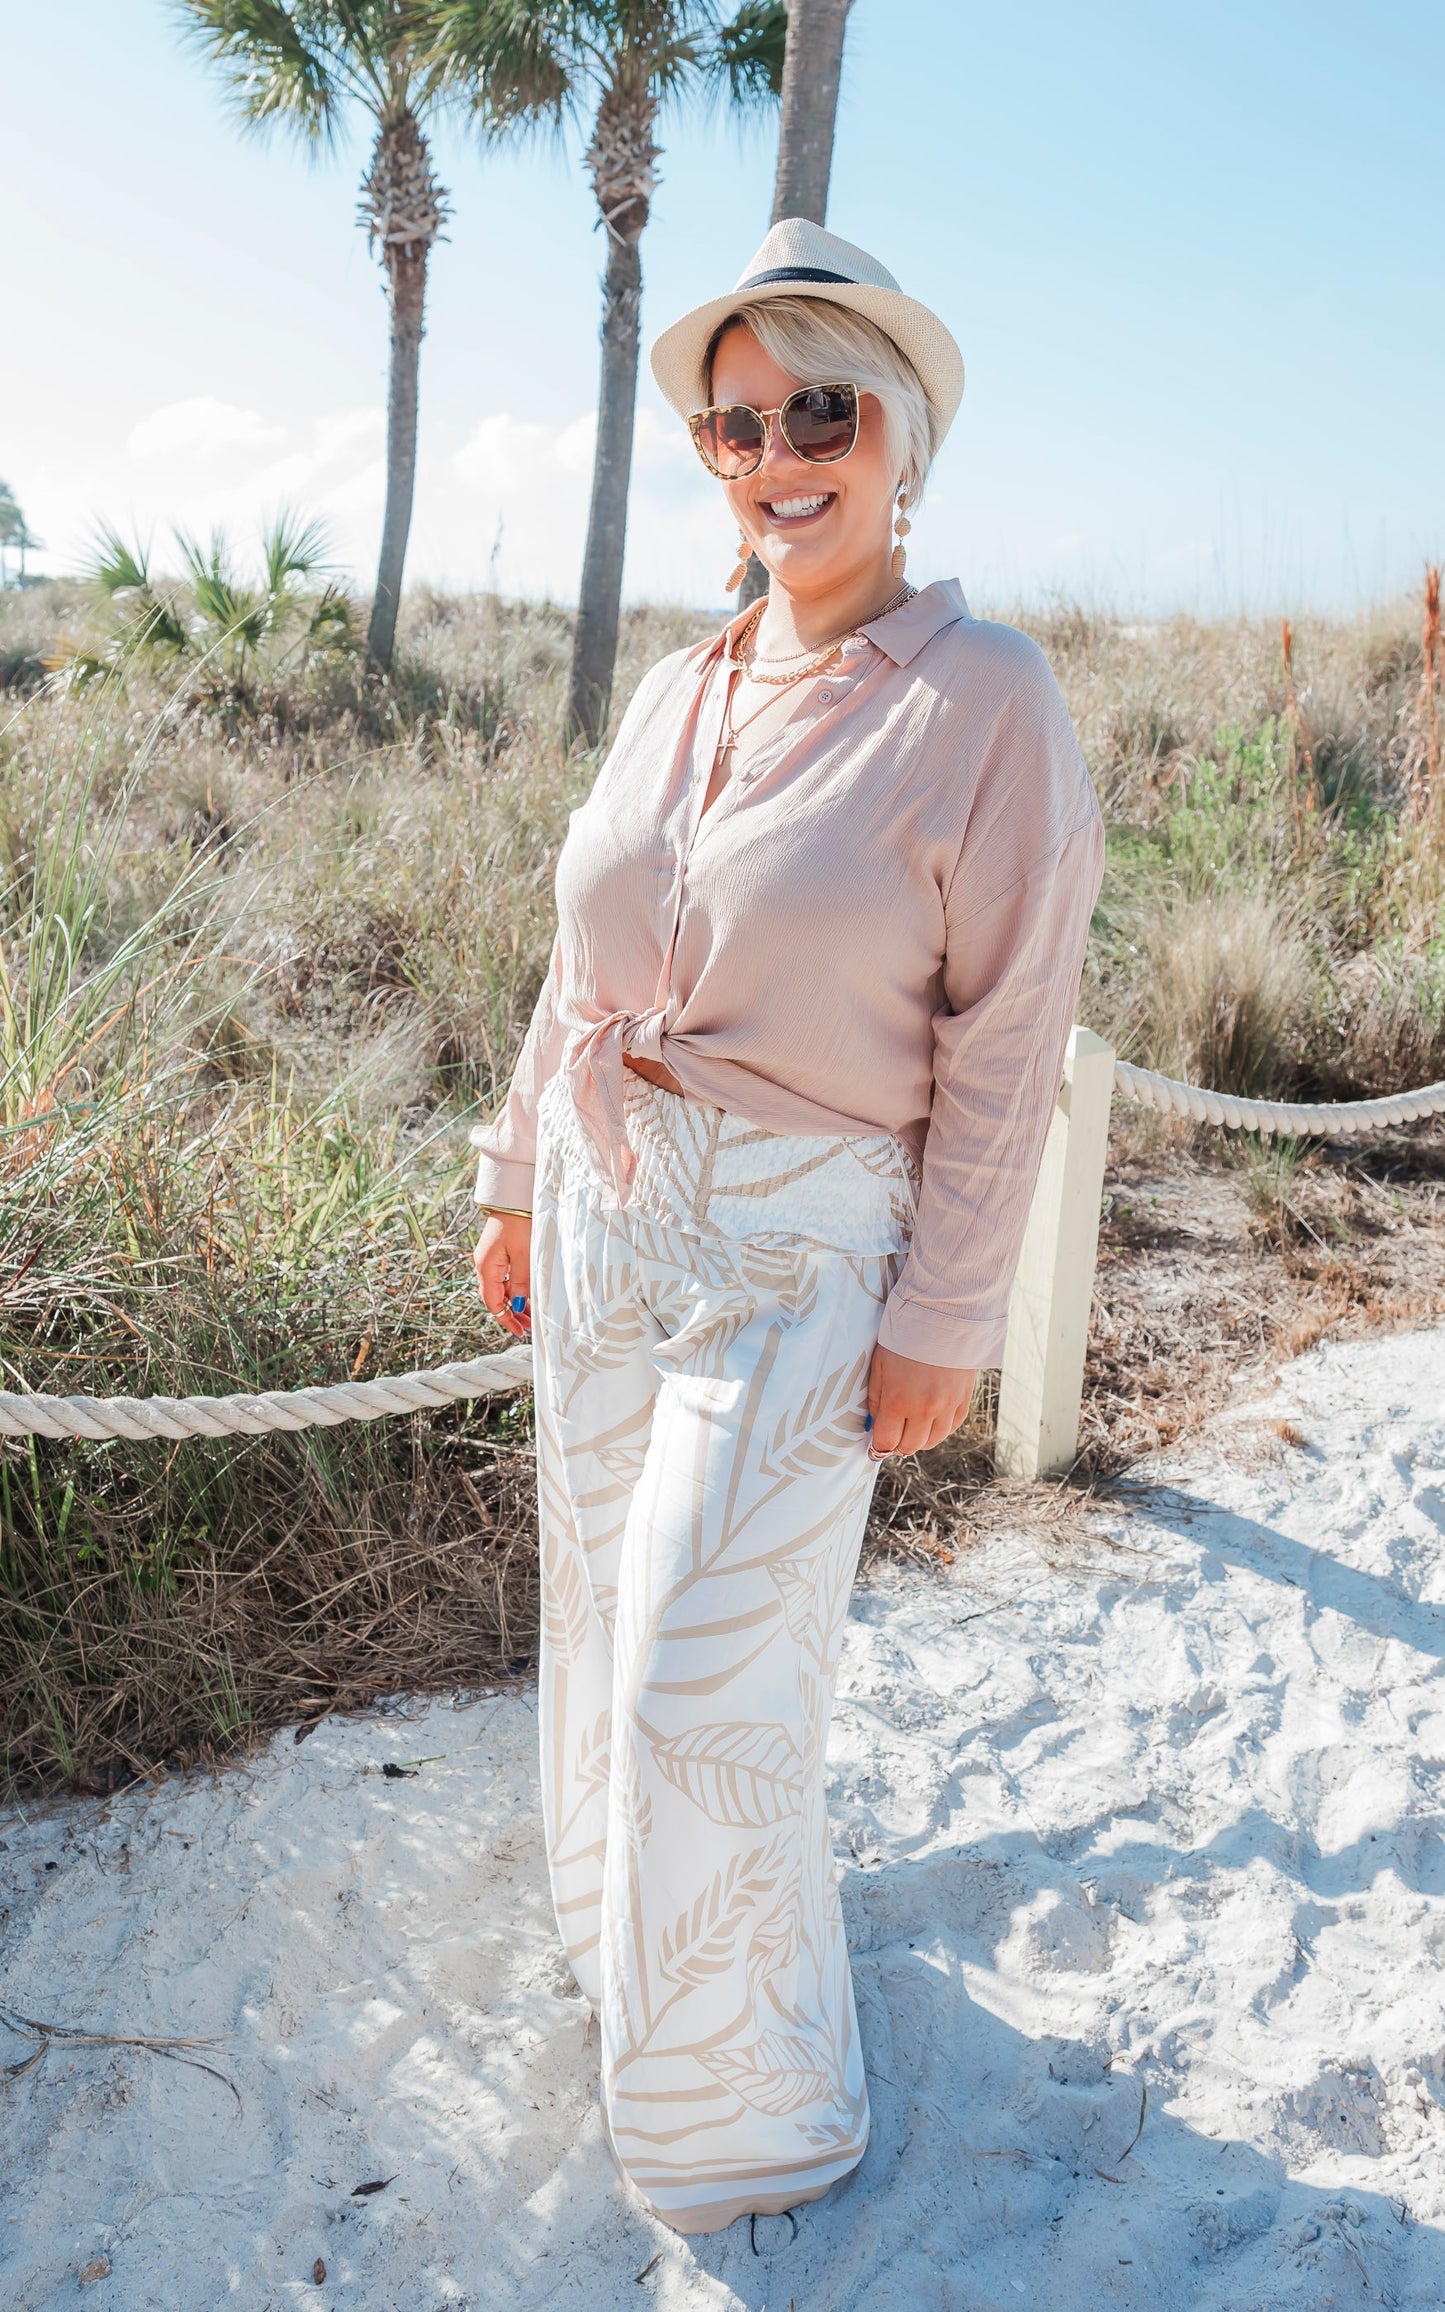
711, 1172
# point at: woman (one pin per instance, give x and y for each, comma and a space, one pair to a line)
760, 1184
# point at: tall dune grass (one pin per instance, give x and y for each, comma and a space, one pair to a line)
262, 963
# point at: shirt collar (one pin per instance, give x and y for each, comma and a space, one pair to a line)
903, 632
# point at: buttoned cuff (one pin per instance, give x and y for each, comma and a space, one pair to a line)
503, 1180
911, 1328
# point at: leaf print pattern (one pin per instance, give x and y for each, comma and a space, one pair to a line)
827, 1424
702, 1484
774, 1945
813, 1600
703, 1940
700, 1345
778, 2073
742, 1775
634, 1807
796, 1581
832, 2133
593, 1761
878, 1156
565, 1603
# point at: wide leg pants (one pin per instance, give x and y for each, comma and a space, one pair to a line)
702, 1362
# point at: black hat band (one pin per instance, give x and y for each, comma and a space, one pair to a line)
795, 273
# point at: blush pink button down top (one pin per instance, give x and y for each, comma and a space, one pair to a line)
879, 926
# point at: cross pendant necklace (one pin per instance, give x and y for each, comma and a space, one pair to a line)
727, 748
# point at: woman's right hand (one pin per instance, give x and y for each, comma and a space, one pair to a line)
503, 1262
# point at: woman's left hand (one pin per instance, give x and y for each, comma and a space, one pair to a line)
914, 1405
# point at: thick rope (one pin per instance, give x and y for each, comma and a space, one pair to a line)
140, 1417
1344, 1119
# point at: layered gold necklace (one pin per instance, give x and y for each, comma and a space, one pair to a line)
812, 662
803, 663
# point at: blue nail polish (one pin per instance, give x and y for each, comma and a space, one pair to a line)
867, 1420
519, 1304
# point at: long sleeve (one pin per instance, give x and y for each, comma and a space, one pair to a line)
508, 1143
1017, 921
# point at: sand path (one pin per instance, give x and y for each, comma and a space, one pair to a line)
1156, 1824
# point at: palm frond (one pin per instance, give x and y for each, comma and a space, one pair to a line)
147, 621
237, 614
294, 548
115, 566
511, 63
158, 628
329, 625
281, 61
682, 47
746, 64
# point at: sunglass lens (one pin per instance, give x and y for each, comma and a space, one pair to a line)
821, 422
732, 441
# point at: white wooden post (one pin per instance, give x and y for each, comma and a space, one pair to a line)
1042, 1384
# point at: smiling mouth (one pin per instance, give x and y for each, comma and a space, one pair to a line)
791, 513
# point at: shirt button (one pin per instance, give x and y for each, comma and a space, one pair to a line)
824, 696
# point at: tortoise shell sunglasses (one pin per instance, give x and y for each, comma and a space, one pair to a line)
819, 423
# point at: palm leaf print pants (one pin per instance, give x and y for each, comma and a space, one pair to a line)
702, 1360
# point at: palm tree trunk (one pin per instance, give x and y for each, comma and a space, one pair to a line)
408, 303
594, 650
622, 158
402, 207
812, 67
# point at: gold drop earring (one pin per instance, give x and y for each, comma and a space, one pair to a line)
901, 527
744, 557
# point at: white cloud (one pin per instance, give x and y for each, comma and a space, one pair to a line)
210, 465
506, 455
532, 482
201, 428
363, 493
345, 430
577, 445
509, 486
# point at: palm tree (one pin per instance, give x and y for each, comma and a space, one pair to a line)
626, 59
812, 68
301, 63
15, 532
637, 54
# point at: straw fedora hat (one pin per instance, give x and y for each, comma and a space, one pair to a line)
800, 259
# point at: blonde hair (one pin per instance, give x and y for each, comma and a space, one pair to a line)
824, 343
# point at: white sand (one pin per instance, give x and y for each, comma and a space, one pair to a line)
1160, 1818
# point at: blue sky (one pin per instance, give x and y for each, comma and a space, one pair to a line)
1193, 258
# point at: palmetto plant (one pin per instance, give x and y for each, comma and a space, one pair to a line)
216, 626
303, 63
622, 60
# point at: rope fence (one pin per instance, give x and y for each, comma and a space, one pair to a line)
1332, 1120
1042, 1381
280, 1410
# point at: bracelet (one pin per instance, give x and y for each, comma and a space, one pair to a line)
512, 1211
